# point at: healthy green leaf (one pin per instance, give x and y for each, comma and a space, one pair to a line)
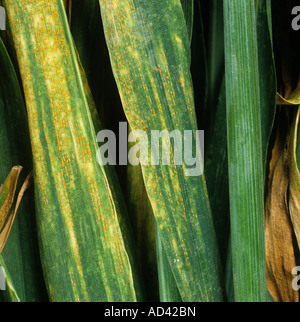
245, 155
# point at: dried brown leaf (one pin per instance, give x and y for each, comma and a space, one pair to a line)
7, 194
4, 233
294, 191
280, 255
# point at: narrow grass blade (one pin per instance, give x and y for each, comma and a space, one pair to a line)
142, 218
20, 254
215, 59
91, 259
10, 294
84, 14
245, 155
216, 170
121, 207
86, 31
216, 173
199, 67
188, 10
229, 274
267, 74
168, 290
152, 69
68, 7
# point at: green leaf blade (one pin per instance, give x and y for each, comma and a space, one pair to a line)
83, 253
246, 175
21, 250
149, 49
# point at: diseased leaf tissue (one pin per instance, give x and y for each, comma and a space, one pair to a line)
107, 191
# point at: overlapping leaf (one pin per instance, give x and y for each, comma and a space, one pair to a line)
283, 202
250, 97
77, 216
279, 231
7, 196
21, 250
151, 60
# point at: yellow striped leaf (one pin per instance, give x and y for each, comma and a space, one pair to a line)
82, 249
150, 55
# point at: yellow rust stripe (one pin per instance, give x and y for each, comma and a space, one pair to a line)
150, 56
81, 241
